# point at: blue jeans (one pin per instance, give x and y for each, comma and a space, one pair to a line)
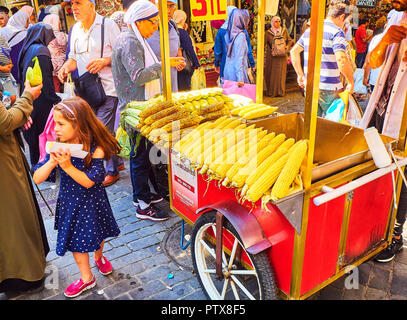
140, 169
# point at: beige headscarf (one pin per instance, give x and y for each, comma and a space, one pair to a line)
179, 17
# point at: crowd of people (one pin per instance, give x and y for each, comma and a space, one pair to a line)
116, 60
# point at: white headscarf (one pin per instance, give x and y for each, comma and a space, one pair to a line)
17, 23
229, 10
142, 10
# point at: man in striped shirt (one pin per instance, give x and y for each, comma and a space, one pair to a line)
334, 60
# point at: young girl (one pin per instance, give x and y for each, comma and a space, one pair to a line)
84, 218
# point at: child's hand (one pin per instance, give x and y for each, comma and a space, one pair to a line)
63, 158
53, 159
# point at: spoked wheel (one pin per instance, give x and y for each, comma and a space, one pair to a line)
244, 276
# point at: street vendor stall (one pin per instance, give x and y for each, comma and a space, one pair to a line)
279, 204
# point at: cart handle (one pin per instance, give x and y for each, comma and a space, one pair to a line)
335, 193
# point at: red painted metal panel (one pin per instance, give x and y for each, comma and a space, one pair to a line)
322, 242
368, 218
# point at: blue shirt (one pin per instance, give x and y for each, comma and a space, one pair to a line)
333, 41
220, 50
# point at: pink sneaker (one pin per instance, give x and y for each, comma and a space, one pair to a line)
104, 266
76, 288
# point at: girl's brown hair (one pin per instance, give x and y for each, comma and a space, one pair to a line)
91, 131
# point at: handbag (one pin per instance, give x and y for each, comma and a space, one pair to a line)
189, 66
278, 49
89, 85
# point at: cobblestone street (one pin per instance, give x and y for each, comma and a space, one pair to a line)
149, 264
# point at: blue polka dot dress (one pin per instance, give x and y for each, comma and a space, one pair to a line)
83, 216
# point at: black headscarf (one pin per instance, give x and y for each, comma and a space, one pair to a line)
35, 44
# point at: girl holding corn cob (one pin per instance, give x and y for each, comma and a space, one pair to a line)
136, 73
83, 218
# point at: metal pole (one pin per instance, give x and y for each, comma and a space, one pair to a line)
260, 50
165, 50
310, 121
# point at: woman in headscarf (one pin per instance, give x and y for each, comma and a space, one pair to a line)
57, 47
15, 33
237, 49
136, 73
184, 76
23, 241
275, 67
220, 48
3, 19
36, 45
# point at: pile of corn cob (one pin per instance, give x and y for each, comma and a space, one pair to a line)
167, 122
252, 160
253, 111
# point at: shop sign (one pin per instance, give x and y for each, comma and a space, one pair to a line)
366, 3
205, 10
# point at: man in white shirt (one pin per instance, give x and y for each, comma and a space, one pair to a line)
85, 55
386, 105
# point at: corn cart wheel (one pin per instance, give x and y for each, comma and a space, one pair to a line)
245, 276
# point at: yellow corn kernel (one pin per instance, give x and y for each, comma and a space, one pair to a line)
162, 114
155, 108
290, 170
266, 180
258, 113
250, 108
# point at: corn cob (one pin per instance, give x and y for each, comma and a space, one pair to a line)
214, 115
290, 170
176, 116
211, 143
249, 108
132, 112
154, 109
132, 121
179, 134
210, 108
207, 138
266, 180
241, 154
162, 114
258, 113
223, 166
190, 139
219, 149
182, 123
139, 126
143, 130
268, 162
245, 169
235, 111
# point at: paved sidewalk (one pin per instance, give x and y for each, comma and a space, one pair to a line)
146, 254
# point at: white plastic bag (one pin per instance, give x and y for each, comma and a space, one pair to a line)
360, 88
69, 88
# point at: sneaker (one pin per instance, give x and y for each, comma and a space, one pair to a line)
76, 288
155, 198
104, 266
389, 253
151, 213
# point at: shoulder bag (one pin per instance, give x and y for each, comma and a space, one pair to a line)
89, 85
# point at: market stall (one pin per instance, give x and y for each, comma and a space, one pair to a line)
278, 203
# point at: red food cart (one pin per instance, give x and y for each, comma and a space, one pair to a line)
343, 216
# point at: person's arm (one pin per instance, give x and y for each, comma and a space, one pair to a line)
295, 55
366, 67
250, 52
132, 58
394, 34
20, 111
68, 67
45, 170
345, 68
218, 48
